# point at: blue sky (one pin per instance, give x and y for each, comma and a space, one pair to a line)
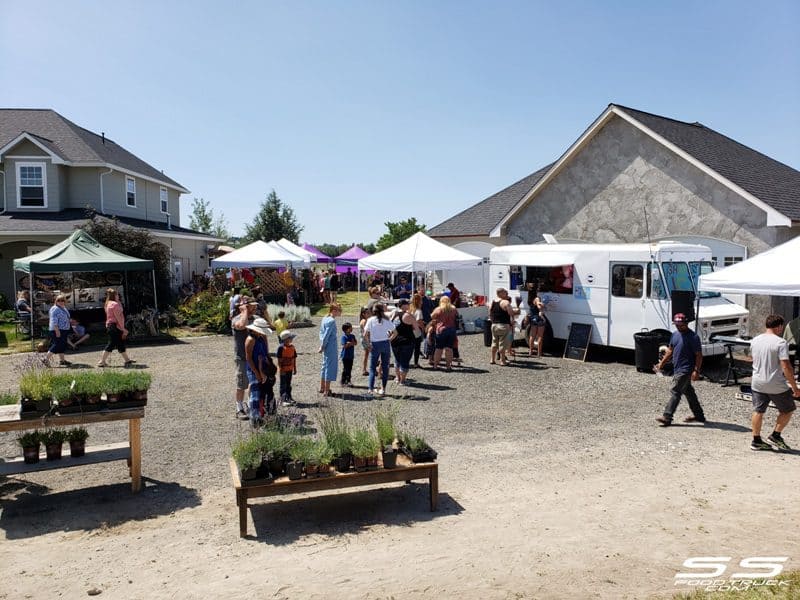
358, 113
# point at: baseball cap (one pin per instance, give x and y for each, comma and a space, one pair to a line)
680, 318
403, 302
287, 335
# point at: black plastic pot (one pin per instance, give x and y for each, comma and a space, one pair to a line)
294, 469
77, 448
53, 451
342, 463
389, 458
30, 454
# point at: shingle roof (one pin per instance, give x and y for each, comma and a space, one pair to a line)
67, 220
72, 142
482, 217
772, 182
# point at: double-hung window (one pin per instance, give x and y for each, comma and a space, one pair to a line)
164, 198
130, 191
31, 185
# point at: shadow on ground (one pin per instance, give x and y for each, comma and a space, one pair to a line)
29, 509
283, 522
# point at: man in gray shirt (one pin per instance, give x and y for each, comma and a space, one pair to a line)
773, 380
247, 310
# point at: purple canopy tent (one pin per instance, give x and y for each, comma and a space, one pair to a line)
349, 260
321, 256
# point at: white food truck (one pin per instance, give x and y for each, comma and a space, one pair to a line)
619, 289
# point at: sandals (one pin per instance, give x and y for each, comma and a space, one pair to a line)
128, 363
101, 365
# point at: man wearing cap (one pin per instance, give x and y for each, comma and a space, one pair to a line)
686, 353
247, 309
773, 381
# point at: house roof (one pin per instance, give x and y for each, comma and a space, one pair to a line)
67, 220
482, 217
771, 184
73, 144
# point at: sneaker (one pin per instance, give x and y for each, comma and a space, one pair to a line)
288, 403
665, 422
760, 445
380, 392
241, 415
778, 441
370, 393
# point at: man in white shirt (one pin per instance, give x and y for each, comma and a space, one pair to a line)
773, 381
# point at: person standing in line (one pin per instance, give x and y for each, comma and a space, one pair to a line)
329, 348
59, 329
378, 332
403, 343
502, 316
334, 283
536, 321
256, 350
362, 323
686, 353
287, 366
454, 294
115, 327
773, 381
247, 310
348, 354
416, 312
444, 319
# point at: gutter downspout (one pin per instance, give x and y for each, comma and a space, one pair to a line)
2, 212
102, 200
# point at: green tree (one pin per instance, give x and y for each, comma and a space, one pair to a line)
398, 232
275, 220
203, 220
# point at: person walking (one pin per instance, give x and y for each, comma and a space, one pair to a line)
378, 331
686, 353
59, 329
773, 381
329, 348
115, 327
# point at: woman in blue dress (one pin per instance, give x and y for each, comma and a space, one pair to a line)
329, 348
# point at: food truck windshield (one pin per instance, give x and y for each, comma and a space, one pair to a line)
683, 277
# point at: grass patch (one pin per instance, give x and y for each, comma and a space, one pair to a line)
11, 342
349, 301
790, 590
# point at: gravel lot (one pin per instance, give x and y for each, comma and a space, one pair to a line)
545, 459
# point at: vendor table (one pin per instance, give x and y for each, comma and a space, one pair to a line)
733, 373
130, 451
405, 471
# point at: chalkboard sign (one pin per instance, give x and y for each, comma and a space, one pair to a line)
578, 342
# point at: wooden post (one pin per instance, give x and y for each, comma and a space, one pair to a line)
241, 501
135, 440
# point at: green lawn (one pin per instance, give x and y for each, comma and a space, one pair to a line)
349, 301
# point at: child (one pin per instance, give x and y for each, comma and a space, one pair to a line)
280, 324
364, 345
287, 366
267, 397
348, 353
77, 334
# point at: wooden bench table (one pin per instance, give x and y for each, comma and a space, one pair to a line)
405, 471
130, 451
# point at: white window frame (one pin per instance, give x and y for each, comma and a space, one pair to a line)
127, 203
163, 198
43, 167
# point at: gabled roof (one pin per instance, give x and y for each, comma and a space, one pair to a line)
71, 144
67, 220
767, 183
481, 218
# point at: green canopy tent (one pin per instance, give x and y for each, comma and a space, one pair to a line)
79, 252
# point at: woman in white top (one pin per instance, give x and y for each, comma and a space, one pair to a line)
378, 332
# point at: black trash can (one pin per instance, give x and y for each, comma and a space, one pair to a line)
646, 345
487, 332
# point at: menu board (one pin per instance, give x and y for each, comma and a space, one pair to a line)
578, 342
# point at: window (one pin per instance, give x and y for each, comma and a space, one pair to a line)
655, 285
130, 191
626, 281
732, 260
164, 197
31, 185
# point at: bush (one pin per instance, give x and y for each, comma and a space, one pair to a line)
294, 314
206, 309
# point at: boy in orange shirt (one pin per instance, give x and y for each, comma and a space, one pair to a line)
287, 366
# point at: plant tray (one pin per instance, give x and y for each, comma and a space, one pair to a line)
257, 481
126, 404
93, 407
71, 409
31, 414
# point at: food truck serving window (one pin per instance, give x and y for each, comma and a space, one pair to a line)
626, 281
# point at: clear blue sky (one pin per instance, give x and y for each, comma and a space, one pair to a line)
362, 112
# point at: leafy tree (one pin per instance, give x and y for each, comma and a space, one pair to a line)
275, 220
203, 220
334, 250
138, 243
398, 232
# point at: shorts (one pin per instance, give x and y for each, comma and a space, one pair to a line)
500, 336
240, 370
446, 338
784, 401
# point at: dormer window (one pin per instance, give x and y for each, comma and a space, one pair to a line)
31, 185
164, 198
130, 191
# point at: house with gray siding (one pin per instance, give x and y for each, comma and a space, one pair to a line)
633, 176
52, 172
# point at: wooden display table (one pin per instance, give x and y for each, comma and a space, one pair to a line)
130, 451
405, 471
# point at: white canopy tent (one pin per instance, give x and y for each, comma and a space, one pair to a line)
257, 254
419, 253
308, 257
769, 273
295, 260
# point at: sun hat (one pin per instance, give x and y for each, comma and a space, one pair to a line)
288, 334
680, 318
259, 326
